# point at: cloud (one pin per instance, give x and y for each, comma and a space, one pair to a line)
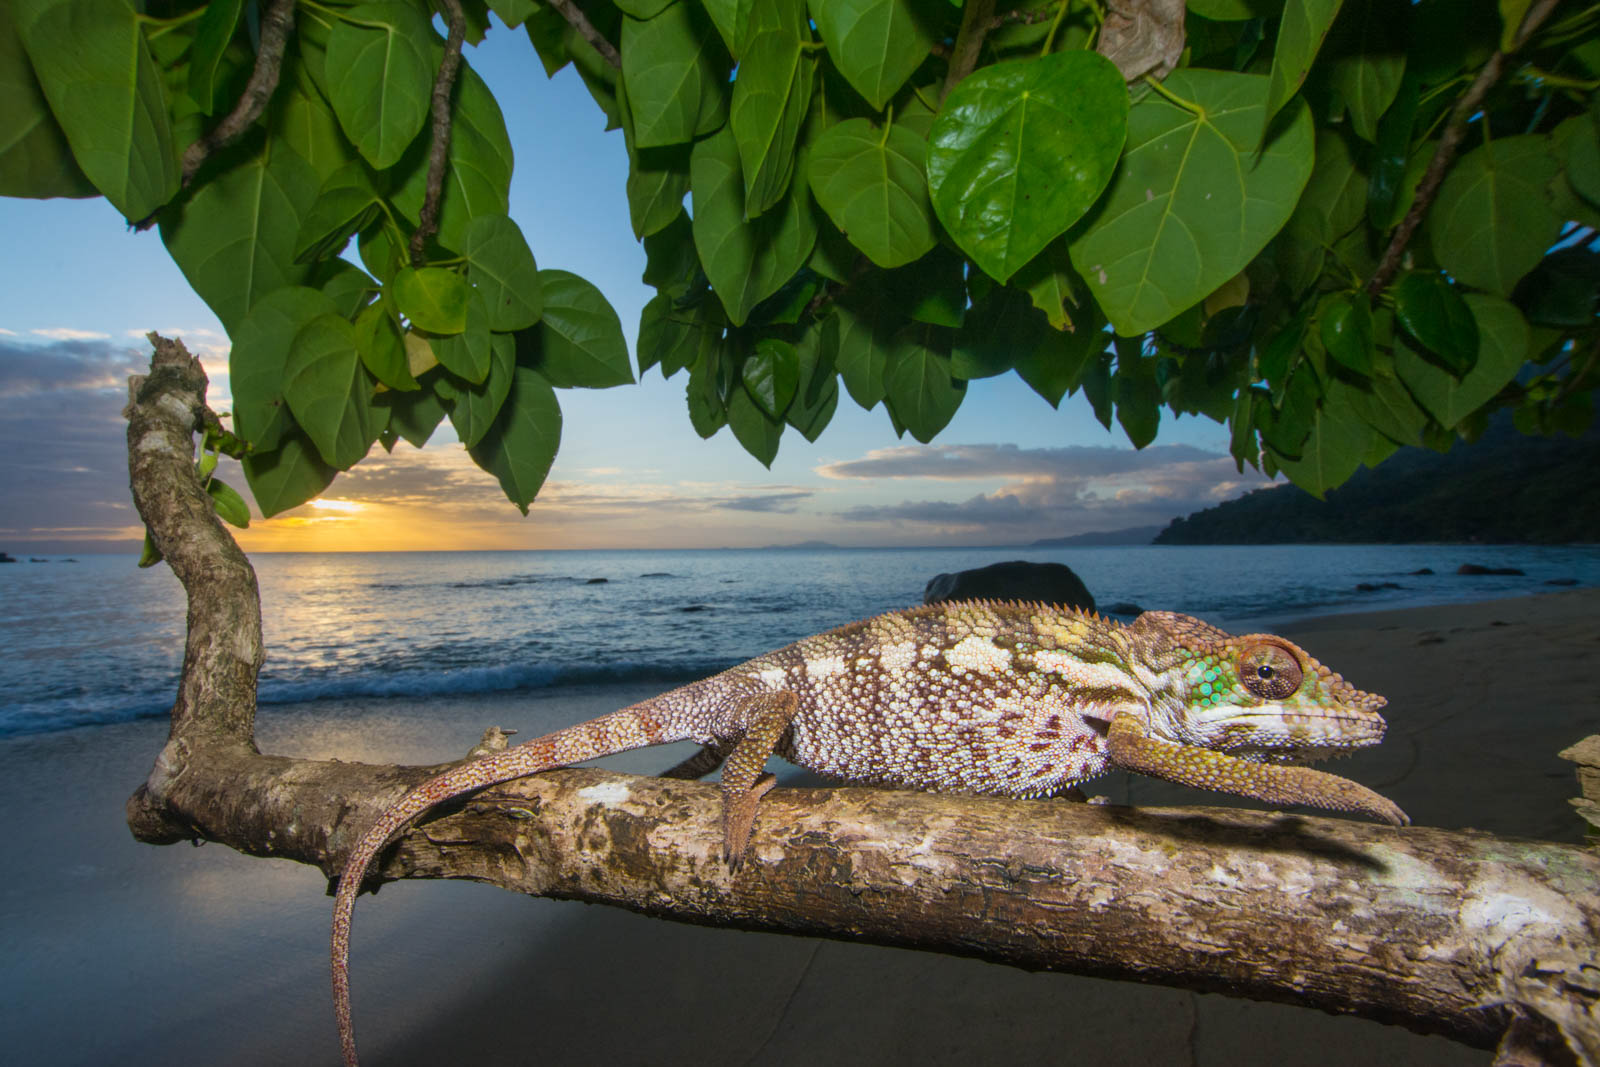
67, 333
777, 500
1044, 492
26, 370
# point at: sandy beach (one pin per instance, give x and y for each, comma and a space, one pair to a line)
120, 952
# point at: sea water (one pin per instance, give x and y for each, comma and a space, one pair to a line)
98, 640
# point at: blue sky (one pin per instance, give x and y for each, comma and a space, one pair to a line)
79, 291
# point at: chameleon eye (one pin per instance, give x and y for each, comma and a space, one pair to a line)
1269, 671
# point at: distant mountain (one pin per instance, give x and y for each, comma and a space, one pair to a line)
1133, 535
801, 545
1505, 487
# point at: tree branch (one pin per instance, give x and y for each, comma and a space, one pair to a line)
1462, 934
277, 21
1449, 143
580, 22
444, 84
975, 17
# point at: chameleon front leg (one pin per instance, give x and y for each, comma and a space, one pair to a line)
766, 717
1133, 749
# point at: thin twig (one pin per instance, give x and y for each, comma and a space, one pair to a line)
1449, 143
580, 22
439, 151
277, 21
969, 42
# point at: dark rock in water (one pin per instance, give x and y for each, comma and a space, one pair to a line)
597, 581
1561, 581
1478, 568
1373, 587
657, 574
1122, 607
695, 607
37, 559
1424, 570
1050, 583
6, 557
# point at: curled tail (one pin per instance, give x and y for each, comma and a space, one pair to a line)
634, 727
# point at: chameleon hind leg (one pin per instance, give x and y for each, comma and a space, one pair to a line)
1132, 749
702, 763
767, 716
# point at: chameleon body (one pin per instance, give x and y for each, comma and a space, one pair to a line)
976, 697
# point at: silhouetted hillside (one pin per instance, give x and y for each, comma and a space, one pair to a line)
1504, 487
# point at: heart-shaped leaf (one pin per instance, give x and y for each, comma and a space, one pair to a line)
502, 268
474, 411
676, 81
378, 78
876, 44
1347, 330
872, 186
329, 391
522, 443
1492, 220
1021, 149
1502, 351
771, 374
1431, 310
261, 346
287, 476
433, 298
1192, 202
580, 343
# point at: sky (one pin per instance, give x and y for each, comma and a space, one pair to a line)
79, 291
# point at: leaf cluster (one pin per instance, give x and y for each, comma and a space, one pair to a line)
836, 196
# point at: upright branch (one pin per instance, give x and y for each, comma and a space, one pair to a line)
1455, 130
975, 21
444, 84
580, 22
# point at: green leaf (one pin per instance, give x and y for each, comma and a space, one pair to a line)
860, 354
211, 37
105, 90
1431, 310
876, 44
771, 374
1335, 198
1386, 406
1503, 351
1492, 219
347, 285
302, 118
329, 391
1305, 23
1235, 10
477, 179
234, 237
474, 411
746, 261
467, 354
1192, 203
415, 415
732, 19
1052, 285
707, 414
872, 185
672, 265
817, 396
501, 266
379, 79
675, 74
756, 431
1368, 62
1136, 393
287, 476
261, 344
1057, 364
1001, 326
433, 298
1387, 198
35, 159
674, 338
1583, 158
1347, 330
1335, 446
382, 347
1020, 151
918, 384
346, 203
642, 9
522, 443
770, 98
1511, 15
228, 503
580, 337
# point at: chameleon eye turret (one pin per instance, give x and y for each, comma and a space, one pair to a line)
1270, 671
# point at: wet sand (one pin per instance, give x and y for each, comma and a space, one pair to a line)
116, 952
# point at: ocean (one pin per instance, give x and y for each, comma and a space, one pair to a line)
96, 640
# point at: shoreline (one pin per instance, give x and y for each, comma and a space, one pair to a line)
121, 952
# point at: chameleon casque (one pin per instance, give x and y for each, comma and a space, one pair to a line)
1007, 699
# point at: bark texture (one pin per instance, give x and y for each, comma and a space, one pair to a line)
1484, 939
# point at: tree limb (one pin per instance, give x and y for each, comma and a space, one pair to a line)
975, 17
277, 21
1462, 934
444, 84
1455, 130
580, 22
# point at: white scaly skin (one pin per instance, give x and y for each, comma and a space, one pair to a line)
969, 697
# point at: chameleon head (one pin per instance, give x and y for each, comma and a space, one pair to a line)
1261, 697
